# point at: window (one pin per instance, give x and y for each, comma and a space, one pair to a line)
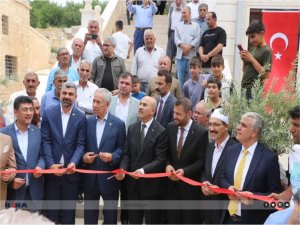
10, 66
4, 24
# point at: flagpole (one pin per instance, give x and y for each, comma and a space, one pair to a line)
237, 76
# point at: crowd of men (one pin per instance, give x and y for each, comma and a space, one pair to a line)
97, 116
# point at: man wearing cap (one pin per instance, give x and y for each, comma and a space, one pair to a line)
218, 126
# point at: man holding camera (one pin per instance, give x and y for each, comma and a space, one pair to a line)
92, 42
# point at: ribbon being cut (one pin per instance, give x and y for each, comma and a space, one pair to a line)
151, 175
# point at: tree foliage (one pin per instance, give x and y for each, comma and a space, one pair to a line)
46, 13
272, 107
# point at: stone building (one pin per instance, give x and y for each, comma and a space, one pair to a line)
22, 48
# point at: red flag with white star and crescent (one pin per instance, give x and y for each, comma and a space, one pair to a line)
282, 30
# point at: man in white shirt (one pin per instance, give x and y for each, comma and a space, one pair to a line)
85, 88
194, 5
31, 83
123, 43
217, 149
92, 42
77, 48
145, 61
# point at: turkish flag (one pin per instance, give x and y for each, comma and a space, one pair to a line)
282, 28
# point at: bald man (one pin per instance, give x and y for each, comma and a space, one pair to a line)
145, 152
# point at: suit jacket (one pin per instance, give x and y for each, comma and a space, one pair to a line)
167, 113
151, 157
175, 88
192, 157
71, 146
34, 159
214, 216
112, 141
7, 161
132, 109
263, 178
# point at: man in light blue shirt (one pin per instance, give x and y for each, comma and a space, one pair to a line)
63, 58
187, 36
201, 20
52, 97
144, 20
26, 138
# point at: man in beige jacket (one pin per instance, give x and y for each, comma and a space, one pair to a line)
7, 162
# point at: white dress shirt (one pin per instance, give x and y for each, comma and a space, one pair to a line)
122, 110
145, 64
249, 157
100, 128
91, 51
65, 120
85, 96
23, 144
122, 44
148, 124
175, 17
186, 131
217, 154
194, 9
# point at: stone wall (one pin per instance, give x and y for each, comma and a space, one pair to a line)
30, 47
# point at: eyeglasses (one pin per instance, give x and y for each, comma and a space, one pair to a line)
215, 125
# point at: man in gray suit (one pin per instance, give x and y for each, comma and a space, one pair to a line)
124, 106
26, 139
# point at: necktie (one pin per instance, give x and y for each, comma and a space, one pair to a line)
142, 135
232, 207
180, 142
159, 112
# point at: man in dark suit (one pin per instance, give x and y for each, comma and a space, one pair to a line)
26, 139
249, 167
105, 144
145, 152
63, 136
165, 103
218, 126
187, 144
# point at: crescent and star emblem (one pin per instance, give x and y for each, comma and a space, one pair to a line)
279, 36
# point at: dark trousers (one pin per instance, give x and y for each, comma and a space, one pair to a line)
138, 39
228, 219
61, 196
136, 216
183, 215
91, 206
161, 7
124, 212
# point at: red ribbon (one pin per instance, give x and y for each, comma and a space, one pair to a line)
151, 175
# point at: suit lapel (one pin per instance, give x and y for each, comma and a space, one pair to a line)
31, 140
218, 166
12, 133
235, 156
188, 140
107, 127
209, 158
255, 159
71, 121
